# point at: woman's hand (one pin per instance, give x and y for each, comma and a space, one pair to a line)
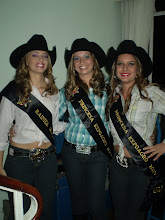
2, 172
152, 138
11, 133
157, 150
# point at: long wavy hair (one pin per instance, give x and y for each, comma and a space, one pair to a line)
97, 81
140, 81
22, 79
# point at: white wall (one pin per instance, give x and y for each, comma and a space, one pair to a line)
61, 22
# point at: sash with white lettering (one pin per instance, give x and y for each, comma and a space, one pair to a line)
40, 115
91, 120
135, 144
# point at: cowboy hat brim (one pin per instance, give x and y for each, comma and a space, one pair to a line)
84, 45
129, 47
37, 42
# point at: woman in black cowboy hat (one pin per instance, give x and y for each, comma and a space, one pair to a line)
84, 162
31, 100
133, 106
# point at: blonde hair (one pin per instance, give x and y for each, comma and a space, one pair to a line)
22, 78
140, 81
97, 81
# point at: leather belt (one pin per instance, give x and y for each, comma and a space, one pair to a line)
35, 154
93, 148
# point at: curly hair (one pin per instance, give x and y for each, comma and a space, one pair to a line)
97, 81
140, 81
22, 79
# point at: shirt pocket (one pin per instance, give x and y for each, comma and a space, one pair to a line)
139, 112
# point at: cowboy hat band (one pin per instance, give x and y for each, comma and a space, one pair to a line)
36, 42
83, 44
129, 47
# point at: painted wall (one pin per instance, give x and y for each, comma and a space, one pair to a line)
61, 22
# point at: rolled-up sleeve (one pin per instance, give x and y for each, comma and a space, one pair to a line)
6, 121
58, 126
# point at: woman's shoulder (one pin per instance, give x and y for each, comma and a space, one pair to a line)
153, 87
154, 90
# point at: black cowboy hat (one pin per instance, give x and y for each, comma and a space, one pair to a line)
36, 42
83, 44
129, 47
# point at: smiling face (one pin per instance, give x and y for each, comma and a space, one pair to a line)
126, 69
37, 61
83, 63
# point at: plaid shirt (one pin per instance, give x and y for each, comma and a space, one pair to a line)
142, 114
75, 131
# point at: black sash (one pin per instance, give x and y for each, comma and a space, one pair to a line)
91, 120
40, 115
135, 144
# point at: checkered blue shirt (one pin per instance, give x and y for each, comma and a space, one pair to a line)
75, 131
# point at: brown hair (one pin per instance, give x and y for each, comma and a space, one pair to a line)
96, 82
22, 78
114, 82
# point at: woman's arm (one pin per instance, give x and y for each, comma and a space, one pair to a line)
7, 117
126, 153
2, 171
58, 126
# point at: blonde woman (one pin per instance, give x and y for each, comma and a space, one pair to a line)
85, 164
133, 105
31, 101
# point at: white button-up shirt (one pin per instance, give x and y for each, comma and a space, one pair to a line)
142, 114
26, 130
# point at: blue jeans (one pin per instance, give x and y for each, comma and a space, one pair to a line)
86, 175
42, 175
128, 187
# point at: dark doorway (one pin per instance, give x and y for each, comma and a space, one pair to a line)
159, 50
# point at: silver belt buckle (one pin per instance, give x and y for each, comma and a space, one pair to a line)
37, 154
123, 162
11, 151
83, 149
